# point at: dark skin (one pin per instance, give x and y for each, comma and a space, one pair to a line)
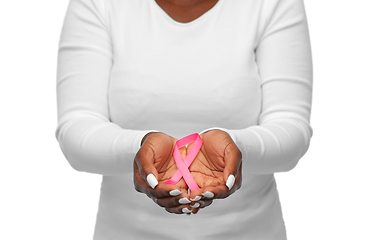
185, 11
155, 156
218, 157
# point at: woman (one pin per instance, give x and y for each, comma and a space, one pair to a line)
136, 76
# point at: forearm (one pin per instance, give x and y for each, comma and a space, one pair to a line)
273, 147
87, 137
283, 55
97, 146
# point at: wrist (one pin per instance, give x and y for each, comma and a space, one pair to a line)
146, 136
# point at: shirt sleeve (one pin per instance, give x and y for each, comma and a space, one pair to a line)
284, 59
87, 137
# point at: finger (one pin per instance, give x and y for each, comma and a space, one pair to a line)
216, 192
170, 201
221, 191
161, 191
196, 206
174, 200
233, 162
201, 203
195, 210
145, 163
140, 184
182, 209
198, 201
205, 203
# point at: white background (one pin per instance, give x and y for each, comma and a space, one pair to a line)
327, 196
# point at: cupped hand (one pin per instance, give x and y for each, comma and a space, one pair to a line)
153, 165
217, 168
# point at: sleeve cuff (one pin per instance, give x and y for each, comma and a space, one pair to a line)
222, 129
138, 139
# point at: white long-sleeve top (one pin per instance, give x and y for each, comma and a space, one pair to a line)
125, 68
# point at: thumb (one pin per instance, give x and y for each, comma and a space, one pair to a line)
233, 160
145, 162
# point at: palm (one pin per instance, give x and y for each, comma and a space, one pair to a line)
208, 166
162, 149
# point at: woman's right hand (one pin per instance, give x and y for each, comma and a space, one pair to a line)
154, 164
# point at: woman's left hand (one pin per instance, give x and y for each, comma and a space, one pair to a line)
217, 168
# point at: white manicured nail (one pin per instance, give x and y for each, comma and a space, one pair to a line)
184, 200
197, 198
196, 205
153, 182
186, 210
230, 181
208, 194
175, 192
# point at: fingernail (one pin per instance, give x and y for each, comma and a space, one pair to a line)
196, 205
197, 198
184, 200
153, 182
186, 210
230, 181
175, 192
208, 194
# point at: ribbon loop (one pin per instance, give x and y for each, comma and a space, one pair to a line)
183, 164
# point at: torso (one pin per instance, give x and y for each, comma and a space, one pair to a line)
186, 11
181, 79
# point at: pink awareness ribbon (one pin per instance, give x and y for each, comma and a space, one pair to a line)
183, 164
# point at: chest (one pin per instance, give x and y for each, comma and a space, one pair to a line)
174, 77
188, 11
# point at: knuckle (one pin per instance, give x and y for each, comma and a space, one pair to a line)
180, 209
168, 210
137, 186
175, 201
160, 203
151, 193
238, 154
208, 204
224, 194
173, 210
205, 203
239, 185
